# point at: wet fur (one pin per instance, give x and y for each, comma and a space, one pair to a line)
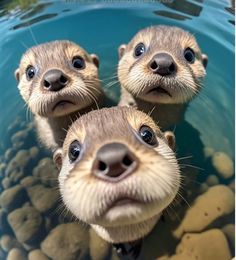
154, 183
136, 79
83, 89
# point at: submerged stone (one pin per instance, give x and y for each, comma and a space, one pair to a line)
66, 242
27, 224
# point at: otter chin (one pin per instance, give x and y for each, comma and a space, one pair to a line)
58, 80
118, 176
161, 66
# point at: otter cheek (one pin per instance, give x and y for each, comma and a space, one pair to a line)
24, 88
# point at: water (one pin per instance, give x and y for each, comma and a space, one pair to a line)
100, 27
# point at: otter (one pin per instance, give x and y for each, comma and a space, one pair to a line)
59, 82
160, 71
118, 176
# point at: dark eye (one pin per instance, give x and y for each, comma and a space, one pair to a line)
139, 50
147, 135
30, 72
189, 55
78, 63
74, 151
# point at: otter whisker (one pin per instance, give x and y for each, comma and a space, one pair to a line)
191, 166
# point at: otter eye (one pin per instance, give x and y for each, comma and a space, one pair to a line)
139, 50
147, 135
30, 72
74, 151
78, 63
189, 55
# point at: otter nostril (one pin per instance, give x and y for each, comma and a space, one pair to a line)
172, 67
127, 161
153, 65
102, 166
46, 84
63, 79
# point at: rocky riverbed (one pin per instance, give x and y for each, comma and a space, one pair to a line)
35, 225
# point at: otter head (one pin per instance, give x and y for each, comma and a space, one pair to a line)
58, 78
118, 176
162, 64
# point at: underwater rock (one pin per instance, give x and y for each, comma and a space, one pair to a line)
218, 201
37, 255
208, 151
229, 231
99, 248
19, 161
34, 151
8, 242
27, 204
10, 152
212, 180
210, 244
19, 137
16, 175
2, 169
44, 199
27, 224
6, 183
223, 164
47, 172
16, 254
66, 242
13, 198
29, 181
203, 188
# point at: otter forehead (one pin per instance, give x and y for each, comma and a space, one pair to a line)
165, 38
103, 127
55, 53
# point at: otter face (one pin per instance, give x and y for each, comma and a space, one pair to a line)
58, 78
119, 176
162, 64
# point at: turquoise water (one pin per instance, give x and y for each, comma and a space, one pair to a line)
100, 27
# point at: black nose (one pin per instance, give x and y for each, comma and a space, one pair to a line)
162, 64
54, 80
114, 161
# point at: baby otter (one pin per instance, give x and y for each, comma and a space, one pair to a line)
118, 176
58, 81
161, 70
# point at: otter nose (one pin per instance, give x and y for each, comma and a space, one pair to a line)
114, 161
162, 64
54, 80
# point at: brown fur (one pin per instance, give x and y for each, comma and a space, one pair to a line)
83, 90
136, 78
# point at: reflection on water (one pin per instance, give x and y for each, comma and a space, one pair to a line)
8, 7
172, 15
37, 9
184, 6
34, 20
33, 221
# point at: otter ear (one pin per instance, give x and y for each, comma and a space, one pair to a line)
170, 137
204, 60
57, 158
121, 50
95, 60
17, 74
